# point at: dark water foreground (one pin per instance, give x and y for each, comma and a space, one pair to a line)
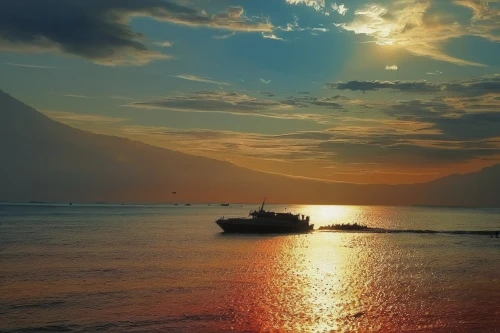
169, 269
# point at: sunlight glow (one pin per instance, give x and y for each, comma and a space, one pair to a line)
332, 214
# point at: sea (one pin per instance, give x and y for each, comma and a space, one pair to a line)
169, 268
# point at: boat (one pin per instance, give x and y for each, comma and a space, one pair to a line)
224, 204
262, 221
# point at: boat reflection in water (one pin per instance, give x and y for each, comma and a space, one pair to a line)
263, 221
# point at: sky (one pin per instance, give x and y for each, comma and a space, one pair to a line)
399, 91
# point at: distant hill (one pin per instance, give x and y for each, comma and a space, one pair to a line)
479, 188
44, 160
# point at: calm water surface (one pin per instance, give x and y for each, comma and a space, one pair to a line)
108, 268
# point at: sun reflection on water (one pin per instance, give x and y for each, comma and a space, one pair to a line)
342, 282
299, 283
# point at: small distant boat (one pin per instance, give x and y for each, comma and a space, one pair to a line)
224, 204
263, 221
187, 205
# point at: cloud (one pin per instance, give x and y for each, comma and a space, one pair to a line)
99, 30
224, 36
355, 142
76, 96
267, 35
307, 100
341, 9
481, 9
29, 66
241, 104
486, 102
215, 101
472, 87
422, 27
434, 73
458, 125
391, 68
290, 27
75, 118
407, 86
318, 5
121, 97
452, 122
164, 44
200, 79
265, 81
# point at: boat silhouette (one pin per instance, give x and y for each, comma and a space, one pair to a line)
262, 221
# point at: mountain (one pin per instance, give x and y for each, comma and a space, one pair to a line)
44, 160
477, 189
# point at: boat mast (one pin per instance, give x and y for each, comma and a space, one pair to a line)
262, 207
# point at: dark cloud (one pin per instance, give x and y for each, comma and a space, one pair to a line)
420, 87
421, 110
472, 87
98, 29
339, 97
471, 126
455, 124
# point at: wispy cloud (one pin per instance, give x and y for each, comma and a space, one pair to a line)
224, 36
359, 143
164, 44
422, 27
195, 78
76, 96
290, 27
241, 104
267, 35
391, 67
121, 97
74, 118
214, 101
29, 66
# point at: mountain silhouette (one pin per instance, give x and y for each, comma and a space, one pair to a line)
44, 160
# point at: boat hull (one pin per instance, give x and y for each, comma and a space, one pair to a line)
262, 228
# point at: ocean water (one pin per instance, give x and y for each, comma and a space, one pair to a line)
105, 268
